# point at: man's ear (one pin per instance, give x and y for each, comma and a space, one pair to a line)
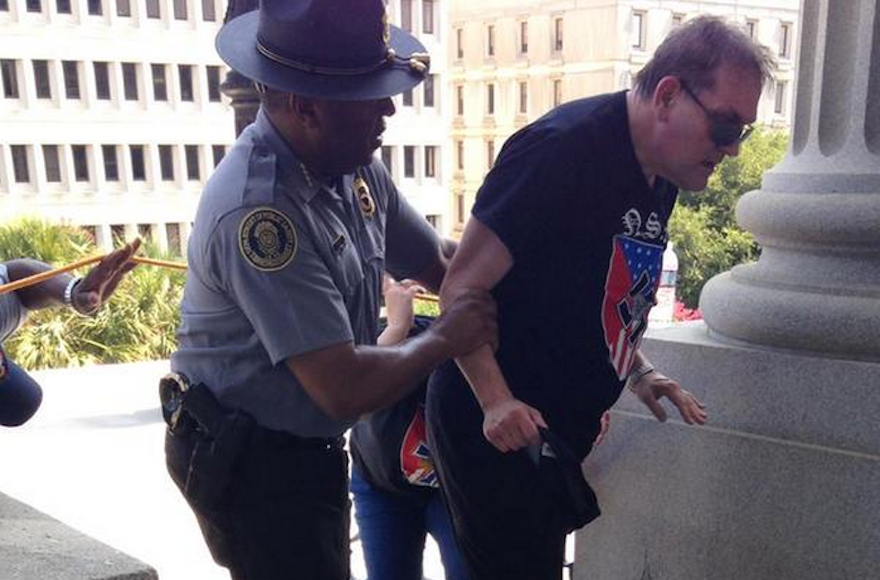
668, 90
303, 109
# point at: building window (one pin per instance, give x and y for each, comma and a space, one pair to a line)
557, 34
523, 97
430, 161
63, 6
166, 162
193, 169
428, 91
41, 79
459, 154
428, 16
172, 235
145, 232
218, 152
407, 98
434, 220
459, 208
96, 7
677, 19
10, 79
186, 82
117, 234
209, 12
638, 30
459, 43
153, 10
213, 73
409, 161
490, 153
102, 81
71, 79
459, 100
138, 166
123, 8
33, 6
406, 14
180, 9
387, 157
785, 40
557, 92
20, 171
91, 232
490, 99
111, 163
779, 101
490, 41
80, 162
751, 28
52, 163
524, 37
129, 81
160, 85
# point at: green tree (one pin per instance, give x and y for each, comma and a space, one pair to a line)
138, 323
703, 226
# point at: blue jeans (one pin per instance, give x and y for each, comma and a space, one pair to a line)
393, 528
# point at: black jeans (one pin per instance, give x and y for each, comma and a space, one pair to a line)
285, 512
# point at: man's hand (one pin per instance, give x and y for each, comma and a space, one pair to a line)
467, 322
98, 285
509, 424
654, 386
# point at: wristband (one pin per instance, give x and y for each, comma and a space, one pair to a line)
68, 292
637, 374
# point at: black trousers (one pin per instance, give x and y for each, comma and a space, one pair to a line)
283, 514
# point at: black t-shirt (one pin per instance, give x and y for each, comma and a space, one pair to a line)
389, 447
570, 201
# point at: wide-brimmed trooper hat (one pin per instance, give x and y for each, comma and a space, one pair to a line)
333, 49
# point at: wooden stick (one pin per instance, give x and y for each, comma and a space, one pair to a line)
43, 276
161, 263
428, 298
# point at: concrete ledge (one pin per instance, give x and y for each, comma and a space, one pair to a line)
34, 546
780, 485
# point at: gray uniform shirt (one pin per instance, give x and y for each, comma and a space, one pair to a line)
12, 312
281, 264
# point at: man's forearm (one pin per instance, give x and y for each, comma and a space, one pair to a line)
42, 295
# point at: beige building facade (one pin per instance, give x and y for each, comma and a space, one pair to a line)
511, 61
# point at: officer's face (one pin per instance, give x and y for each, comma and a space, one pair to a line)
350, 131
690, 137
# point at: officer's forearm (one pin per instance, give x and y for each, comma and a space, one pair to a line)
346, 381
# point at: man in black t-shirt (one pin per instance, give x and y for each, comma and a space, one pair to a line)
568, 232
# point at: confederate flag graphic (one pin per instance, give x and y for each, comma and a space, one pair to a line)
633, 276
415, 457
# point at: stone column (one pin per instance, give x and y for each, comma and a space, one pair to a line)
816, 286
244, 98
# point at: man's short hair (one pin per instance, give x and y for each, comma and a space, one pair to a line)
696, 49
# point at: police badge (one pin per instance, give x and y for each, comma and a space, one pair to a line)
365, 200
267, 239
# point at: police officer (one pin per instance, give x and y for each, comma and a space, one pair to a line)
280, 310
20, 395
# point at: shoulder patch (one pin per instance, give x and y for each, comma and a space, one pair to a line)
267, 239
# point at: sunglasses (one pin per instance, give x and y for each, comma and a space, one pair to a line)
723, 130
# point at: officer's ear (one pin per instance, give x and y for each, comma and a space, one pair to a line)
303, 109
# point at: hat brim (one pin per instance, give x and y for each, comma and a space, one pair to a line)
237, 45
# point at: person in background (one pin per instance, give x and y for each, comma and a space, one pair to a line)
568, 231
396, 492
20, 395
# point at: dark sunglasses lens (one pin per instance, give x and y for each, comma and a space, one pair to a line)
725, 133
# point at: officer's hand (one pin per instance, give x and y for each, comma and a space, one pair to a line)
510, 424
468, 321
654, 386
97, 286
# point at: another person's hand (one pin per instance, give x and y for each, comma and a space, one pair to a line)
604, 425
654, 386
468, 321
399, 298
510, 424
100, 282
